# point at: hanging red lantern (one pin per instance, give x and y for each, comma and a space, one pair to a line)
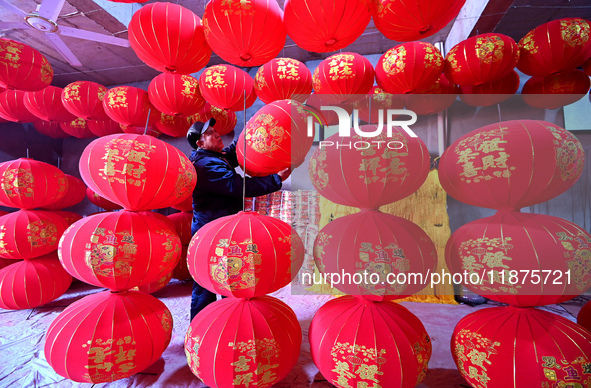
103, 127
31, 283
376, 100
378, 173
139, 172
175, 94
504, 347
108, 336
407, 21
85, 99
436, 98
175, 126
182, 225
587, 67
22, 67
325, 26
186, 205
356, 342
237, 341
150, 131
181, 271
69, 217
281, 79
244, 34
121, 249
245, 255
155, 286
51, 129
169, 38
75, 193
276, 138
26, 234
47, 104
77, 128
583, 317
329, 117
343, 75
556, 90
495, 166
227, 87
128, 105
383, 246
6, 262
28, 183
554, 47
490, 93
101, 201
409, 68
12, 107
225, 120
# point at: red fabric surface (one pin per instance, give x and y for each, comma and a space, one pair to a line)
12, 107
175, 94
282, 78
47, 104
128, 105
175, 126
32, 71
375, 100
75, 193
434, 99
101, 201
50, 129
85, 99
490, 93
182, 225
77, 128
227, 87
343, 75
556, 90
225, 120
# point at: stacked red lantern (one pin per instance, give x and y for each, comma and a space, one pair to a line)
343, 75
12, 107
176, 95
227, 87
101, 202
48, 128
182, 225
281, 79
556, 90
75, 193
128, 105
225, 120
377, 100
22, 67
103, 127
434, 99
85, 99
77, 128
175, 126
47, 105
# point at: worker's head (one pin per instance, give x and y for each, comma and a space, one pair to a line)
204, 135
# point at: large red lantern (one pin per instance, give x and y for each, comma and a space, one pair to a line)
376, 100
227, 87
235, 342
175, 94
555, 46
169, 38
175, 126
182, 225
119, 250
378, 173
51, 129
77, 128
139, 172
584, 316
436, 98
47, 105
481, 59
245, 255
101, 201
151, 130
281, 79
409, 68
12, 107
75, 193
108, 336
522, 259
128, 105
103, 127
556, 90
69, 217
326, 25
85, 99
244, 34
225, 120
356, 342
343, 75
405, 21
186, 205
385, 247
490, 93
22, 67
156, 285
508, 347
497, 166
27, 183
276, 138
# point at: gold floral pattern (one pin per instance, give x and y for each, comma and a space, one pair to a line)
569, 153
394, 60
473, 353
574, 32
264, 134
236, 264
110, 253
489, 49
18, 182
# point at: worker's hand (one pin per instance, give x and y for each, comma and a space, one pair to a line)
284, 174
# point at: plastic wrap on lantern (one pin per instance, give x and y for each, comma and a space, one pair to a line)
178, 44
138, 172
409, 68
119, 250
404, 21
556, 90
75, 193
101, 202
85, 99
375, 248
103, 127
108, 336
12, 107
276, 138
490, 93
175, 94
497, 166
77, 128
343, 76
227, 87
281, 79
47, 105
356, 342
51, 129
182, 225
244, 34
512, 347
378, 173
237, 341
327, 25
436, 98
22, 67
175, 126
555, 46
245, 255
225, 120
128, 105
377, 101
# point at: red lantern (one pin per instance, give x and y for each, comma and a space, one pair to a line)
481, 59
584, 316
139, 172
101, 201
169, 38
409, 68
75, 193
325, 26
343, 75
227, 87
51, 129
238, 341
244, 34
175, 94
406, 21
175, 126
556, 90
108, 336
490, 93
186, 205
383, 246
12, 107
85, 99
587, 67
31, 283
356, 342
103, 127
505, 347
155, 286
150, 131
27, 234
6, 262
128, 105
22, 67
77, 128
225, 120
375, 175
281, 79
245, 255
69, 217
119, 250
329, 117
28, 183
436, 98
181, 271
276, 138
554, 47
182, 225
496, 166
47, 105
376, 100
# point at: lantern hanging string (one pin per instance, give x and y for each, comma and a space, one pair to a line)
147, 121
244, 155
499, 109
